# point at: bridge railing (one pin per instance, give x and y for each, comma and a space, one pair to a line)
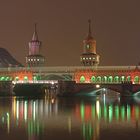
66, 68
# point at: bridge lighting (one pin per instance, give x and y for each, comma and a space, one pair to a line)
97, 86
52, 83
104, 89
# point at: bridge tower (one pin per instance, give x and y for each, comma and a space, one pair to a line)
34, 57
89, 56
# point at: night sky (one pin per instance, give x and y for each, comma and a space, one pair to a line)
63, 24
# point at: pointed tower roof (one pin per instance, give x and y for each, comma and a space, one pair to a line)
35, 35
89, 36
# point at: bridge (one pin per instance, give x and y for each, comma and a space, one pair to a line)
111, 77
81, 74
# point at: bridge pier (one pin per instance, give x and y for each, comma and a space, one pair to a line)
66, 88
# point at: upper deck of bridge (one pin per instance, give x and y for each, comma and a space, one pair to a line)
70, 69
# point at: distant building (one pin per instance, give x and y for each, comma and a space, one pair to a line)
34, 58
89, 56
7, 60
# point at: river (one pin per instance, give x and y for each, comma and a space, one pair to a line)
70, 118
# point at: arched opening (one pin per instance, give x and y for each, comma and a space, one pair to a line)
122, 79
93, 80
110, 79
128, 78
98, 79
7, 78
116, 79
2, 78
25, 78
136, 80
16, 78
104, 79
34, 78
82, 79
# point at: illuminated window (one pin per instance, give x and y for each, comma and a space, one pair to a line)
90, 58
83, 58
35, 78
128, 78
122, 78
98, 79
82, 79
110, 79
2, 78
88, 46
93, 79
17, 78
116, 79
25, 78
136, 79
87, 58
7, 78
104, 79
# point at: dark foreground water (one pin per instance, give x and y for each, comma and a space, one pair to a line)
91, 118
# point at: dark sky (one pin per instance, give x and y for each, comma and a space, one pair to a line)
62, 25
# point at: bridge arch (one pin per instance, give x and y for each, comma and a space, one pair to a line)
59, 77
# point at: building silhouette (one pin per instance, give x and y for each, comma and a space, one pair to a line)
7, 60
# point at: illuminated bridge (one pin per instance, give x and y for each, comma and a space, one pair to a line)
80, 74
107, 76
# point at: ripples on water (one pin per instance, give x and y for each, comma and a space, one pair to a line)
93, 118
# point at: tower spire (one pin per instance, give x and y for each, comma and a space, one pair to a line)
35, 35
89, 36
89, 31
89, 56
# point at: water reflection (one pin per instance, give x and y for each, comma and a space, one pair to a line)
68, 118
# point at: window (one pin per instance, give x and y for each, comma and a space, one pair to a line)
82, 79
88, 46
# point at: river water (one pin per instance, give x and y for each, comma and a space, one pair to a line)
86, 118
